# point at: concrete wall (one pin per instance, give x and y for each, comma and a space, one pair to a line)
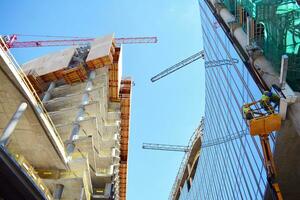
29, 135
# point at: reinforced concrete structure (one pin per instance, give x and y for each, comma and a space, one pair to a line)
261, 35
64, 123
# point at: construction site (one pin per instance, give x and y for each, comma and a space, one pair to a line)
72, 130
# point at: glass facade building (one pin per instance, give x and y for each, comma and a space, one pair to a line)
232, 169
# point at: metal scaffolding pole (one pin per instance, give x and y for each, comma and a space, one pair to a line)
47, 95
80, 114
8, 130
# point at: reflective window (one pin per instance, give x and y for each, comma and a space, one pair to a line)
232, 169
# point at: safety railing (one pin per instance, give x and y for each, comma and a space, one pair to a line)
29, 86
197, 133
33, 174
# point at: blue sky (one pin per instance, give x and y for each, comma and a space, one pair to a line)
167, 111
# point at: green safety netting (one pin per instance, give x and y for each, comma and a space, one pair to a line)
281, 20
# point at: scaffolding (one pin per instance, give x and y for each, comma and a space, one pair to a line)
279, 24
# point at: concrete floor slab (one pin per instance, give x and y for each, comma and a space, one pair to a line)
50, 63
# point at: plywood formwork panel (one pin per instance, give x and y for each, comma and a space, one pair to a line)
38, 84
75, 74
115, 71
125, 95
119, 60
100, 62
113, 82
122, 180
53, 76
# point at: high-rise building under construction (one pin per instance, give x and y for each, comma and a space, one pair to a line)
260, 39
65, 124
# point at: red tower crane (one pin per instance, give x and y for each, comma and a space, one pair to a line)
11, 41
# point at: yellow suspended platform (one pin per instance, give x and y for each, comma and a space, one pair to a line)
264, 125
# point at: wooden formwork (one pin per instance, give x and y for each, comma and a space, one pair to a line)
113, 82
125, 117
53, 76
70, 75
102, 61
116, 55
123, 180
75, 74
36, 81
125, 94
114, 76
125, 109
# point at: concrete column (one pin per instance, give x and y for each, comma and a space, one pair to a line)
12, 123
248, 30
59, 188
47, 95
80, 114
283, 71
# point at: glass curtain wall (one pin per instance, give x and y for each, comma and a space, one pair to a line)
233, 169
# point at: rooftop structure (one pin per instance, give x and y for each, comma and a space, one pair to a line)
71, 139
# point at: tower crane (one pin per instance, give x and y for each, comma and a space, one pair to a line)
165, 147
189, 60
179, 65
182, 148
182, 63
12, 41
